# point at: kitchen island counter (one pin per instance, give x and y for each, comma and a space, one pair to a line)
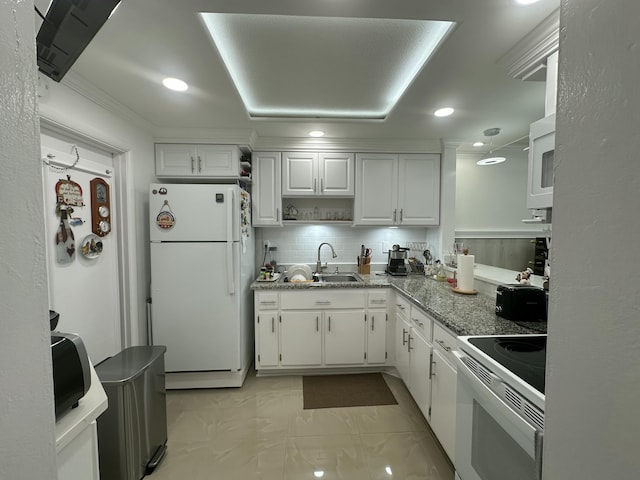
462, 314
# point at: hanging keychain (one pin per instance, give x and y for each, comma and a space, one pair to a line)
166, 219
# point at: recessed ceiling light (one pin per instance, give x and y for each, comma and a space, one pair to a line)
443, 112
175, 84
316, 133
491, 161
478, 144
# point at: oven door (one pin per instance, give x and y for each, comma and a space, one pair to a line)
493, 442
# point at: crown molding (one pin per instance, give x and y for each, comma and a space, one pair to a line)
348, 144
527, 59
88, 90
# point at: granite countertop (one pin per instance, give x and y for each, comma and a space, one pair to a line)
462, 314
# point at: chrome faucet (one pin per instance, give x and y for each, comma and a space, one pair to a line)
319, 263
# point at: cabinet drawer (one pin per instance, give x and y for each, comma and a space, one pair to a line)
444, 341
322, 299
377, 299
403, 307
421, 322
266, 301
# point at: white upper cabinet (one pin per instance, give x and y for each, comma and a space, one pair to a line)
542, 139
397, 189
317, 174
266, 196
175, 160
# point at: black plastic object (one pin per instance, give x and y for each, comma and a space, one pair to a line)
54, 317
67, 29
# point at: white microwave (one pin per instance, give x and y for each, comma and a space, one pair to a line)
542, 140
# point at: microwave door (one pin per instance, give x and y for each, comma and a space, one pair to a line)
492, 441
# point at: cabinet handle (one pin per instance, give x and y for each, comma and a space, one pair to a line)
273, 324
409, 348
317, 325
329, 323
373, 319
443, 345
420, 324
199, 164
277, 214
323, 302
394, 214
404, 337
193, 166
378, 301
399, 306
401, 214
432, 372
267, 302
321, 186
314, 185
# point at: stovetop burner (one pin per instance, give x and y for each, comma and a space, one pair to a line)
525, 356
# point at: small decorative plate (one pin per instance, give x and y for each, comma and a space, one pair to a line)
91, 246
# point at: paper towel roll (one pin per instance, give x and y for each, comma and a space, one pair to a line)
465, 272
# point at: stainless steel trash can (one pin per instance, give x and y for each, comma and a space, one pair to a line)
132, 432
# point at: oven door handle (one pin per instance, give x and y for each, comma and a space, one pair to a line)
522, 431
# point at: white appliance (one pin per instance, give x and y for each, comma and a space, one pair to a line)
500, 407
542, 138
202, 264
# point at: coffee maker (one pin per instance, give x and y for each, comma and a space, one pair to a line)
396, 263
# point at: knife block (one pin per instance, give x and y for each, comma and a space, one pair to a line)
364, 265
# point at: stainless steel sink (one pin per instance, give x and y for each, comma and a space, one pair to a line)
338, 278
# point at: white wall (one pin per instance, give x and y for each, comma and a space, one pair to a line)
491, 199
27, 438
75, 113
299, 243
593, 358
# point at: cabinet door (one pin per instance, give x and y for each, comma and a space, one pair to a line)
344, 337
419, 364
300, 174
175, 160
443, 402
377, 336
300, 338
336, 172
419, 194
267, 339
401, 351
219, 161
266, 197
376, 189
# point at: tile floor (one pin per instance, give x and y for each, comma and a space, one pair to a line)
260, 431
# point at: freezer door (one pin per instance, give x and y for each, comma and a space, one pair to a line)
193, 312
199, 212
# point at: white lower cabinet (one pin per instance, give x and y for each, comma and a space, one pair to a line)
300, 338
320, 328
443, 402
419, 382
344, 338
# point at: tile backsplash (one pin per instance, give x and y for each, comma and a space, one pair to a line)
299, 243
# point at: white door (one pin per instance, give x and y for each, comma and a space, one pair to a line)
267, 339
377, 186
419, 195
300, 174
200, 212
193, 313
377, 336
344, 337
336, 171
218, 161
176, 160
267, 185
443, 402
402, 352
84, 290
419, 363
301, 338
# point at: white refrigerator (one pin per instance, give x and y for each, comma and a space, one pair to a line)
202, 265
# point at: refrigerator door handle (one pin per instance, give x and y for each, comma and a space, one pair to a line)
230, 260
